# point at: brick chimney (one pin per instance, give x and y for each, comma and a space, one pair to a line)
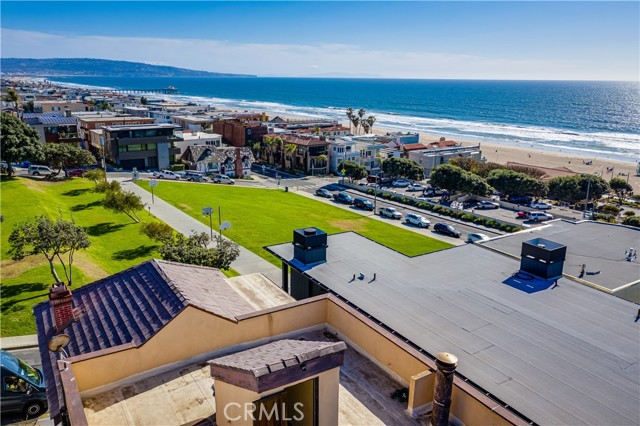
61, 302
446, 364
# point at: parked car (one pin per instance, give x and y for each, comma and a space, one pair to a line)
390, 212
23, 387
193, 176
476, 238
401, 183
521, 199
222, 179
166, 174
417, 220
445, 229
540, 206
434, 191
539, 216
484, 205
75, 172
363, 203
521, 215
36, 170
343, 197
322, 192
415, 187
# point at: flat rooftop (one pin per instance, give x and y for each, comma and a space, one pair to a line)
599, 246
567, 355
185, 396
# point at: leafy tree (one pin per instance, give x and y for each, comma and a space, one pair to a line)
63, 156
157, 231
447, 176
95, 176
52, 238
474, 184
620, 187
353, 171
510, 183
574, 188
123, 202
143, 100
103, 105
632, 221
483, 169
12, 96
194, 250
29, 107
403, 168
18, 142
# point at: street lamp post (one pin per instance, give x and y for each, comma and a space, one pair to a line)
104, 163
208, 211
375, 193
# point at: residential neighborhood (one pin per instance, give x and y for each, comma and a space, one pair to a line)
171, 263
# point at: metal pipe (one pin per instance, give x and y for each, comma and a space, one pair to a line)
446, 364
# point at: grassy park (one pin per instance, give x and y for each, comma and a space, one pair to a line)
116, 244
261, 217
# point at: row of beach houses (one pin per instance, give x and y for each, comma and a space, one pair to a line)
130, 131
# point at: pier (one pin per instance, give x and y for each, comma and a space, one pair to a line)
166, 91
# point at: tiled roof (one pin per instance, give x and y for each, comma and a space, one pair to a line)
413, 146
130, 307
298, 140
277, 355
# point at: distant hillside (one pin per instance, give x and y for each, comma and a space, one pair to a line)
98, 67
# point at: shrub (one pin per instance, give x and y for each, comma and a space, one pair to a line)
437, 209
386, 196
611, 209
478, 220
632, 221
629, 213
178, 167
468, 217
369, 191
505, 227
105, 186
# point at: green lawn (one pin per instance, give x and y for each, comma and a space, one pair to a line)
262, 217
116, 244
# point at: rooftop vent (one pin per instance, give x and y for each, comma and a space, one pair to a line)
543, 258
310, 245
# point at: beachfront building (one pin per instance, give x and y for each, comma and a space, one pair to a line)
309, 155
53, 127
187, 138
237, 132
206, 348
365, 153
136, 111
403, 138
212, 159
432, 158
144, 146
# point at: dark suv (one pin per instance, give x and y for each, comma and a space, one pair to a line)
363, 203
445, 229
343, 197
23, 388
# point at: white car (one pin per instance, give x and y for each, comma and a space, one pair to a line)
166, 174
415, 187
223, 179
417, 220
540, 206
390, 212
487, 205
401, 183
475, 238
539, 216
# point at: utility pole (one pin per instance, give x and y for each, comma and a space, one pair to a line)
587, 200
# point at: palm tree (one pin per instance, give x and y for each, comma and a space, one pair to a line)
370, 120
350, 116
289, 148
361, 113
356, 122
316, 130
12, 96
272, 141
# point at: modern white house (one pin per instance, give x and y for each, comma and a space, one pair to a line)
190, 138
362, 151
432, 158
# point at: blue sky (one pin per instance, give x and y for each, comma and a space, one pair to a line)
497, 40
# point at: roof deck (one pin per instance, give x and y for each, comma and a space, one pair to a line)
185, 396
564, 355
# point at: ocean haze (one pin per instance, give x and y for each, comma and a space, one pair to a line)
590, 118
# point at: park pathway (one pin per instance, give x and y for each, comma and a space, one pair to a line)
247, 263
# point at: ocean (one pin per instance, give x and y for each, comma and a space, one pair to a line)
583, 118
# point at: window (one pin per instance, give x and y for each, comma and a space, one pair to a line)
15, 384
131, 148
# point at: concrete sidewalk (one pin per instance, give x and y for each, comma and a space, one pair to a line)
246, 263
19, 342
